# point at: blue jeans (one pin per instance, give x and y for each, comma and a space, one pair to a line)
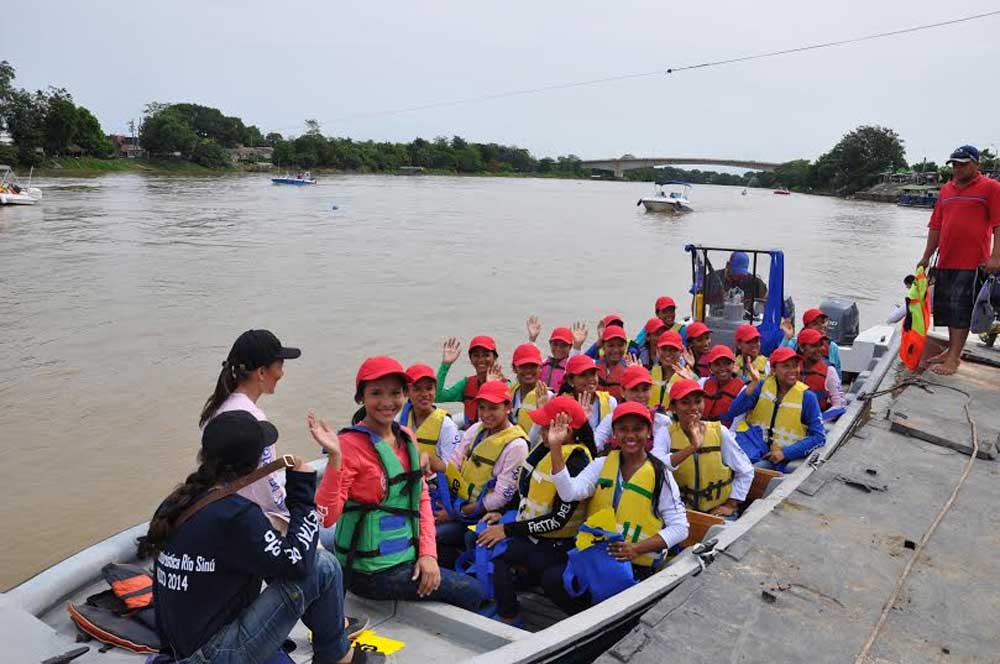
261, 629
451, 541
398, 583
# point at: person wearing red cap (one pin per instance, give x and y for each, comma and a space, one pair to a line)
814, 319
783, 420
596, 350
636, 486
611, 366
650, 335
637, 384
748, 352
666, 310
563, 342
482, 355
373, 489
581, 383
713, 473
252, 369
821, 378
699, 340
527, 390
483, 469
546, 525
665, 371
723, 386
436, 433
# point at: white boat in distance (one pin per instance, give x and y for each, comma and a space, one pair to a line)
672, 199
298, 179
13, 192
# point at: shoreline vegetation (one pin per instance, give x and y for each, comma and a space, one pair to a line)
46, 130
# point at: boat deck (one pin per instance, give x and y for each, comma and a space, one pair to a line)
809, 582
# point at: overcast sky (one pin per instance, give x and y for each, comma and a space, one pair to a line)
276, 63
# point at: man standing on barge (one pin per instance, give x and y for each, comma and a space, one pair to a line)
965, 221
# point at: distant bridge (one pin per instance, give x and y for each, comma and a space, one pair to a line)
630, 163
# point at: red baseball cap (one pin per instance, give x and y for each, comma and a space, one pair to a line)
670, 338
783, 354
654, 324
665, 301
483, 341
684, 387
420, 371
613, 332
809, 336
747, 333
579, 364
494, 391
632, 408
378, 367
564, 404
611, 319
636, 375
563, 334
812, 314
696, 329
527, 354
718, 352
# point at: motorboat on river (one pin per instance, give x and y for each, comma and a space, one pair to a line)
668, 196
298, 179
12, 192
35, 624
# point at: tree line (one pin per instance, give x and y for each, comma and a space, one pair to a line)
46, 122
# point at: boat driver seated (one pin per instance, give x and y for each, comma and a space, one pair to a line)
736, 274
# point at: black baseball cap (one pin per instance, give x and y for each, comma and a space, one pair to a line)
963, 154
236, 437
259, 348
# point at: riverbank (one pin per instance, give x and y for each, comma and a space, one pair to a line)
91, 167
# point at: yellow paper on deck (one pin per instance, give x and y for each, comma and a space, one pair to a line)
603, 519
368, 640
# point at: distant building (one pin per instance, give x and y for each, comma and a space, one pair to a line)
909, 177
126, 147
5, 137
246, 155
74, 150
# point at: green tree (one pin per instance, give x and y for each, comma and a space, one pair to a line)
166, 133
210, 154
89, 135
60, 121
857, 160
313, 128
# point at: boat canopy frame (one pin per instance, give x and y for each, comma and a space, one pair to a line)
769, 327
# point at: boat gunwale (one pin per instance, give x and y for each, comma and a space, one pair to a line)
563, 637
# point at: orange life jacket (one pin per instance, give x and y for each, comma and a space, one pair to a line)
718, 397
469, 399
814, 376
610, 379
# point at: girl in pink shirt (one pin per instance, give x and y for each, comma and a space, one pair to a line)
374, 491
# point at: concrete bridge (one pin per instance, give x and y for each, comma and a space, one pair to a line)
629, 163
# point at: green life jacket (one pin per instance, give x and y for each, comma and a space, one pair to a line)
373, 537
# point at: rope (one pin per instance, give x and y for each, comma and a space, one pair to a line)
863, 654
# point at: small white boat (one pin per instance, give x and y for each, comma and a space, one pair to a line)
299, 179
12, 192
668, 196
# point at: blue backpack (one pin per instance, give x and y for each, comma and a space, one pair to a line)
595, 570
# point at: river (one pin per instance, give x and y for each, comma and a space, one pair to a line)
120, 297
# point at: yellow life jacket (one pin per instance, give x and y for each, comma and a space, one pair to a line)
781, 422
541, 495
429, 431
603, 405
635, 515
528, 403
759, 363
468, 481
659, 396
704, 480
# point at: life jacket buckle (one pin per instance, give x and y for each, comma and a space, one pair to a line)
288, 460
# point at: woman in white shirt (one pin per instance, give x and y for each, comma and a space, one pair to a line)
252, 369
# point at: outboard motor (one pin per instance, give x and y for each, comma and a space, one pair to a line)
725, 317
844, 322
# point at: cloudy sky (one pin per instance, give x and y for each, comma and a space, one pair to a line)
276, 63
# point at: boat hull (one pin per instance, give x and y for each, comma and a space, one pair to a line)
17, 199
292, 181
665, 205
